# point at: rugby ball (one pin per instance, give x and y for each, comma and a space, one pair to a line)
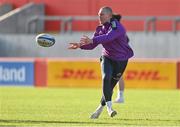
45, 40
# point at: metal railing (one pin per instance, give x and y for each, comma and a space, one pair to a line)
149, 21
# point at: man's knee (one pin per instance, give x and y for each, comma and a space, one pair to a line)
107, 77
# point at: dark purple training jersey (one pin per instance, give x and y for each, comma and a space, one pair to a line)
114, 41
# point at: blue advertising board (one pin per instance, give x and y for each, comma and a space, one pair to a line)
16, 73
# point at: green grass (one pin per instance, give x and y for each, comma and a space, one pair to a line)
27, 106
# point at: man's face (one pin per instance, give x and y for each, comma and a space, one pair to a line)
103, 16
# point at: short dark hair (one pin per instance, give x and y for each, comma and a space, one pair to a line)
107, 10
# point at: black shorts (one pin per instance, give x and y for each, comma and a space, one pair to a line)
112, 67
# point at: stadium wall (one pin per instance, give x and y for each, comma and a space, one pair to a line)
159, 45
5, 8
16, 20
142, 73
60, 72
178, 74
40, 75
91, 7
83, 7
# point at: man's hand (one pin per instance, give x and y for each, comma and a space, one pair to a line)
85, 40
74, 45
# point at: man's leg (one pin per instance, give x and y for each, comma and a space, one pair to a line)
119, 68
106, 69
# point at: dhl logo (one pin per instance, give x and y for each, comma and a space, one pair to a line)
144, 75
90, 74
78, 74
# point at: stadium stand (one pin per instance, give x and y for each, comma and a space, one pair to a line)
125, 7
159, 15
15, 21
5, 8
21, 26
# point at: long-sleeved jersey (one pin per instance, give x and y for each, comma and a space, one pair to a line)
114, 41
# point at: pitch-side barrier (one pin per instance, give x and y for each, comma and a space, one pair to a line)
60, 72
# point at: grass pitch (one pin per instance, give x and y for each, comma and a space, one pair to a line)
28, 106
